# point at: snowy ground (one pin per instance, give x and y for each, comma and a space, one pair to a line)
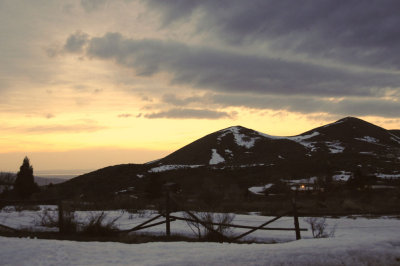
357, 241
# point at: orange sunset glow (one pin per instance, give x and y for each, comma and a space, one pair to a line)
88, 84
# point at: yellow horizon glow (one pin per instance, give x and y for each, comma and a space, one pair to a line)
95, 113
67, 109
141, 138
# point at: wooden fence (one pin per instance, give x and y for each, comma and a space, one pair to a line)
192, 217
209, 225
57, 202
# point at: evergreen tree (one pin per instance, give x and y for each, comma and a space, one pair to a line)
24, 183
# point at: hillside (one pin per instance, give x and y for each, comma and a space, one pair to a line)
236, 146
234, 159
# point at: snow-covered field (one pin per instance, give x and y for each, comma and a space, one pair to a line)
357, 241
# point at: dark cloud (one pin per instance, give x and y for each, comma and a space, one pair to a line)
176, 10
347, 106
383, 108
217, 70
76, 42
183, 113
352, 31
301, 104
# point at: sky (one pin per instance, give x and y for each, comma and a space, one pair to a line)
85, 84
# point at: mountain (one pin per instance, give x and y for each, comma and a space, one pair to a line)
349, 139
235, 146
238, 157
352, 135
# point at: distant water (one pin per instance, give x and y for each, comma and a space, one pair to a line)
56, 176
62, 173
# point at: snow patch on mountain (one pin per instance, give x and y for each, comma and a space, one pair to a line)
302, 139
310, 180
259, 190
216, 158
124, 191
387, 176
254, 165
368, 139
242, 166
228, 152
395, 138
309, 145
169, 167
243, 140
249, 141
334, 146
341, 176
334, 123
240, 139
367, 153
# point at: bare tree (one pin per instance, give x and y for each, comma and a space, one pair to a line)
318, 227
6, 181
219, 222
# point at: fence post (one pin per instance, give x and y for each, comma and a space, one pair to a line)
60, 217
296, 218
167, 211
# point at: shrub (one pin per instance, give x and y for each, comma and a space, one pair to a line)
219, 222
99, 225
47, 218
319, 226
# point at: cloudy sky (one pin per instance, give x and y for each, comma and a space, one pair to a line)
90, 83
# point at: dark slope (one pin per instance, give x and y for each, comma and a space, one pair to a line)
103, 182
235, 146
352, 135
395, 132
241, 157
349, 129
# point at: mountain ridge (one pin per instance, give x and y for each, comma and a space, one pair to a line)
238, 142
238, 155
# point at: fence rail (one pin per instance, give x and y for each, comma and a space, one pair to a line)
192, 217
